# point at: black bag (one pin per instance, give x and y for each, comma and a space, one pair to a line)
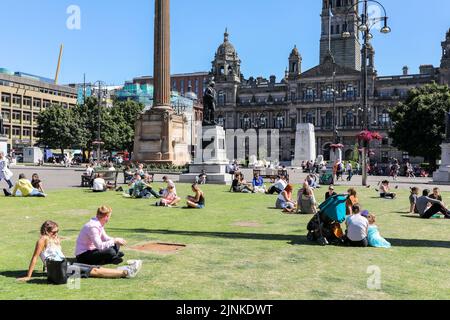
57, 272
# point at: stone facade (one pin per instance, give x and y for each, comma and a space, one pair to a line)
307, 97
22, 99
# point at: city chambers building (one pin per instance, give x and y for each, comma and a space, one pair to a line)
311, 96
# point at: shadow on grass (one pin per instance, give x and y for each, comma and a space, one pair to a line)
40, 278
292, 239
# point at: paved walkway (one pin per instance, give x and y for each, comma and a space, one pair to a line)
56, 178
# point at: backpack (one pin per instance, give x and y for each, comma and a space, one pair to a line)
57, 272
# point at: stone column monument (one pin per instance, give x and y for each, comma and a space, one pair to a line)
442, 175
160, 133
305, 144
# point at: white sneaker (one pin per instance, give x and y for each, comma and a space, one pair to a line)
134, 268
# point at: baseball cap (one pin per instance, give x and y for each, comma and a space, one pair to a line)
365, 213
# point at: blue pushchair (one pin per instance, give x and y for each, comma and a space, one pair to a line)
324, 227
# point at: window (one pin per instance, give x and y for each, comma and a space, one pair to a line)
16, 116
37, 103
349, 119
17, 99
263, 121
309, 94
174, 86
182, 86
350, 91
384, 119
279, 121
27, 117
329, 120
222, 98
221, 121
46, 103
27, 101
26, 133
328, 94
6, 98
246, 123
16, 132
196, 87
309, 118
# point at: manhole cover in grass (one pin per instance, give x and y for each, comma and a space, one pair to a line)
159, 247
247, 224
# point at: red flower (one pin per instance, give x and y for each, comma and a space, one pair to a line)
376, 136
337, 146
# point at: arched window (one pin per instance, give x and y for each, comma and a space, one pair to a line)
350, 91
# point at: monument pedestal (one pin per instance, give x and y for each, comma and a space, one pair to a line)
160, 138
4, 144
442, 175
305, 144
211, 156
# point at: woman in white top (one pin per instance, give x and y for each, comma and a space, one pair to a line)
5, 173
48, 247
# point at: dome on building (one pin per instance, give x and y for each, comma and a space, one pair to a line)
226, 48
191, 95
295, 52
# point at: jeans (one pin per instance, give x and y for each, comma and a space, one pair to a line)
358, 244
435, 209
36, 193
101, 257
350, 175
10, 185
273, 190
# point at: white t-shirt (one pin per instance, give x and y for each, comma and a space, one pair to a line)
171, 184
280, 184
357, 227
99, 184
89, 171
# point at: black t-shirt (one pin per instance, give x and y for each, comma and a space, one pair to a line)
328, 195
432, 196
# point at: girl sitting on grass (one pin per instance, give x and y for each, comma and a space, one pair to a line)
284, 200
373, 234
37, 183
169, 197
48, 247
198, 200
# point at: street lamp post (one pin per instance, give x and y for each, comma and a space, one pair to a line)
101, 94
364, 25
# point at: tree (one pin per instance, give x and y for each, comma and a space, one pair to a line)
419, 122
57, 127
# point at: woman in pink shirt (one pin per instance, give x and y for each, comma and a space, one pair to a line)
94, 246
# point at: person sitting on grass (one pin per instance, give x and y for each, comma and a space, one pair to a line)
278, 186
48, 248
426, 211
99, 184
436, 195
94, 246
141, 189
413, 200
140, 170
198, 200
385, 191
306, 200
169, 183
285, 201
37, 183
357, 230
312, 181
330, 193
374, 237
258, 183
24, 188
169, 198
239, 185
201, 178
351, 200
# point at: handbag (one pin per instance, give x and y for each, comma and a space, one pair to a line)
57, 272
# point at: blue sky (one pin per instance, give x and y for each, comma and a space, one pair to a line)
115, 42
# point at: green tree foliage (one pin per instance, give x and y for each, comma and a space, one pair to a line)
419, 122
57, 127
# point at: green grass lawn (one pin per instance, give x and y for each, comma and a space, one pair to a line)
224, 261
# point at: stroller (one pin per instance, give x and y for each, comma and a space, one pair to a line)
325, 226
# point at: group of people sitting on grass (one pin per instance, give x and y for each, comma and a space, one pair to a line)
94, 249
26, 188
428, 205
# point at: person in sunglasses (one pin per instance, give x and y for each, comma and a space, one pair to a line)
48, 248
